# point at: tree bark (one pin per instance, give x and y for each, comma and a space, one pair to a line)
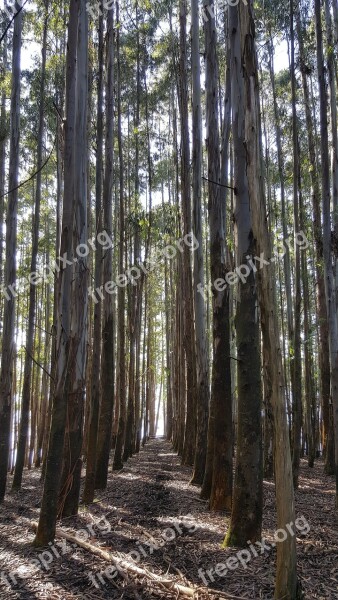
246, 518
27, 379
107, 362
7, 354
330, 288
202, 354
286, 579
95, 395
49, 505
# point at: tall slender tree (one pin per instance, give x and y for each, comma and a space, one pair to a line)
243, 39
27, 380
329, 277
107, 362
202, 382
8, 340
246, 517
52, 484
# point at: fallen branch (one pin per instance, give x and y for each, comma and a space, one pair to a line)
122, 565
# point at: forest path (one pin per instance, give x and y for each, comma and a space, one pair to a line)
151, 513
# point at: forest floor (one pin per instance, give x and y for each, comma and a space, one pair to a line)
151, 513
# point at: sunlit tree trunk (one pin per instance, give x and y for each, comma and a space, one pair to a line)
188, 297
76, 375
202, 354
246, 518
243, 28
49, 505
220, 420
107, 362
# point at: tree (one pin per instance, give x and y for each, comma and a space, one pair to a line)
107, 361
202, 382
246, 517
218, 476
26, 391
7, 354
248, 106
188, 298
52, 484
327, 237
95, 395
121, 377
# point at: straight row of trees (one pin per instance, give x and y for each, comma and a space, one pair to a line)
150, 124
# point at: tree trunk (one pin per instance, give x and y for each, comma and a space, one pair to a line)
118, 462
95, 395
246, 518
286, 579
49, 506
324, 355
7, 354
329, 278
296, 364
202, 354
107, 362
76, 373
27, 379
188, 298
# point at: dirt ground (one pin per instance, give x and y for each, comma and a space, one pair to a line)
151, 516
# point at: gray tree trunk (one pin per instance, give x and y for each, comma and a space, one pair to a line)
329, 276
286, 579
202, 353
7, 353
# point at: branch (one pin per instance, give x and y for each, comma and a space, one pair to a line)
228, 187
124, 566
38, 364
11, 21
31, 177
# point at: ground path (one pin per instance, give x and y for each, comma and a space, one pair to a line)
150, 512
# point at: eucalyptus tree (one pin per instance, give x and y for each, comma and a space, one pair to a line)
26, 390
246, 518
218, 475
324, 356
69, 373
95, 395
247, 104
202, 354
76, 375
107, 361
121, 375
296, 368
8, 339
188, 296
329, 275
